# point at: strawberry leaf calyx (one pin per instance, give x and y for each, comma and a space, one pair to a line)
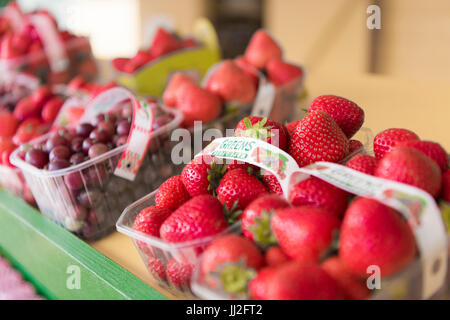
234, 277
215, 174
261, 230
232, 214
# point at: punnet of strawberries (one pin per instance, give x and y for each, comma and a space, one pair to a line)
231, 81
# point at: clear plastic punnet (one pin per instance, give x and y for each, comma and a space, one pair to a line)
88, 198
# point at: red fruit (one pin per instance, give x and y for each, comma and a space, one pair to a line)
261, 49
200, 217
290, 127
256, 219
347, 114
170, 93
179, 273
74, 114
141, 58
318, 138
8, 125
235, 259
258, 286
274, 256
188, 43
163, 43
374, 234
76, 84
301, 281
264, 129
320, 194
281, 72
363, 163
197, 104
431, 149
121, 64
156, 268
386, 140
354, 145
445, 194
21, 43
250, 168
41, 96
149, 220
238, 188
304, 233
51, 109
250, 70
231, 83
26, 109
6, 143
410, 166
352, 286
5, 154
202, 175
172, 194
7, 50
28, 130
272, 184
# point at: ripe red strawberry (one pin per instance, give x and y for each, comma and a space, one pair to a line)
197, 104
26, 109
272, 184
410, 166
386, 140
445, 193
354, 145
256, 219
301, 281
188, 43
202, 175
274, 256
352, 286
250, 70
163, 43
234, 259
261, 49
199, 217
179, 273
374, 234
250, 168
281, 72
51, 109
264, 129
320, 194
41, 95
347, 114
318, 138
170, 93
141, 58
9, 124
172, 194
363, 163
290, 127
258, 286
304, 233
156, 268
231, 83
149, 220
123, 65
431, 149
238, 188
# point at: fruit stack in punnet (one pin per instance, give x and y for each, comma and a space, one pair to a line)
23, 49
164, 42
71, 170
209, 195
231, 81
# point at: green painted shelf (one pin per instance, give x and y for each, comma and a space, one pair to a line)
56, 261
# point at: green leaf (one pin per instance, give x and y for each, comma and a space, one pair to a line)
248, 123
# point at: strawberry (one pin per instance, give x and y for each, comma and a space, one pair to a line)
274, 256
197, 104
281, 73
352, 286
188, 43
363, 163
121, 64
386, 140
141, 58
263, 129
51, 109
156, 268
347, 114
26, 109
231, 83
202, 175
445, 194
172, 194
233, 260
199, 217
4, 156
374, 234
431, 149
261, 49
256, 219
304, 233
9, 124
354, 145
300, 281
179, 273
271, 183
176, 80
410, 166
28, 130
258, 286
238, 188
41, 96
318, 138
163, 43
290, 127
320, 194
250, 70
250, 168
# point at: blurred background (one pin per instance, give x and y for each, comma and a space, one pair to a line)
326, 35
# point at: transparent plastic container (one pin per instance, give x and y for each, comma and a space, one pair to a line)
13, 181
87, 199
152, 248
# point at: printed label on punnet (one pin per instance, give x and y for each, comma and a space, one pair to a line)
264, 99
417, 206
